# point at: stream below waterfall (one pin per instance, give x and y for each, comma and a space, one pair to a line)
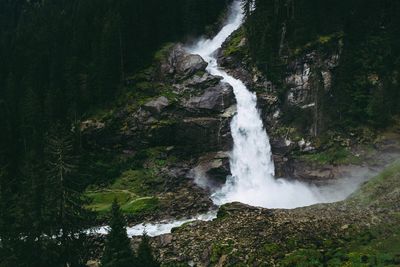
252, 181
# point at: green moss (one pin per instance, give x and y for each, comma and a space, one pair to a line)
380, 186
220, 249
303, 258
335, 155
319, 42
233, 47
162, 52
271, 249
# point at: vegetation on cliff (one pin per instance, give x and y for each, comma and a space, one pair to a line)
63, 60
365, 34
98, 104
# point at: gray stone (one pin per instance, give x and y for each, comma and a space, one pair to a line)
202, 81
211, 170
188, 65
156, 106
182, 64
216, 99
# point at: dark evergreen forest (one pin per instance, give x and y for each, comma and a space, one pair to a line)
60, 60
365, 90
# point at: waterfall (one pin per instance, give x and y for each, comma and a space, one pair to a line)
252, 181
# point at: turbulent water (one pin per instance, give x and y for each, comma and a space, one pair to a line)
156, 229
252, 181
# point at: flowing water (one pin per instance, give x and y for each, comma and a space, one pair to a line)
252, 180
156, 229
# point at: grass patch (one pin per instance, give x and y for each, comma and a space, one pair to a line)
134, 189
102, 200
138, 181
141, 205
130, 203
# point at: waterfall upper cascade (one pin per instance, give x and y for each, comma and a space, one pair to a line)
252, 181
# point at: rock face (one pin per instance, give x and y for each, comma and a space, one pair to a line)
211, 170
156, 106
214, 99
190, 64
306, 75
189, 111
180, 64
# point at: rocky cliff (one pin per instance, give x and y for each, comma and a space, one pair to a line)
183, 113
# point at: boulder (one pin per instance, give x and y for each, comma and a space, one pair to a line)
211, 170
188, 65
156, 106
214, 99
181, 64
202, 81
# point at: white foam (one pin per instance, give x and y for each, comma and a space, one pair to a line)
156, 229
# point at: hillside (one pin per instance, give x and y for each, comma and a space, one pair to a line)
280, 116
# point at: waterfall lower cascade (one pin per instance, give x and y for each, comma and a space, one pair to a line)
252, 181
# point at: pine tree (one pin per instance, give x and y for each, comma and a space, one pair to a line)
118, 252
64, 211
145, 255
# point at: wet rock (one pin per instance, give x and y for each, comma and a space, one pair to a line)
156, 106
201, 81
211, 170
188, 65
214, 99
181, 64
306, 74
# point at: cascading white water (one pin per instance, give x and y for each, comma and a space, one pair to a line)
252, 168
156, 229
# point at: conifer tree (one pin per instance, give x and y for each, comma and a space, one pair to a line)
64, 209
144, 254
118, 252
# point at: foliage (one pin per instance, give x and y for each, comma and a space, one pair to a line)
220, 249
145, 256
233, 46
333, 155
133, 188
365, 89
117, 252
63, 61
